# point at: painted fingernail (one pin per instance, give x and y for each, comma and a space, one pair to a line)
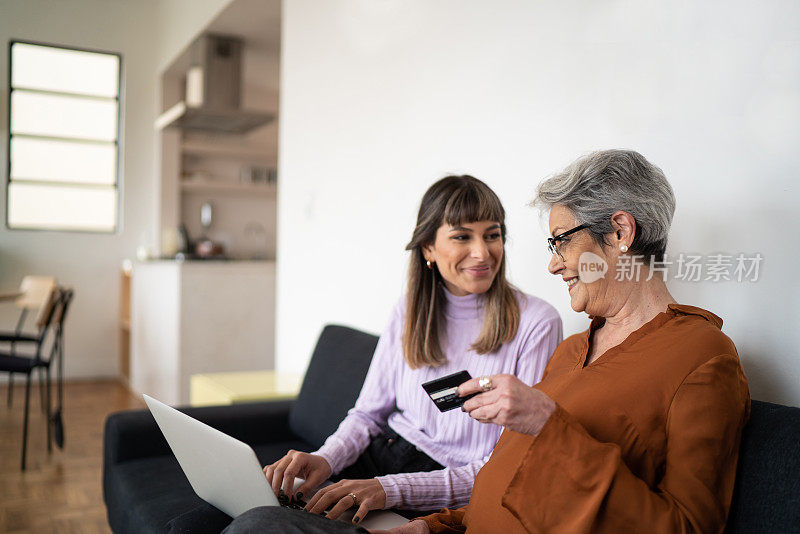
356, 519
299, 494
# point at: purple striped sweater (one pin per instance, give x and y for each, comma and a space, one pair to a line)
392, 394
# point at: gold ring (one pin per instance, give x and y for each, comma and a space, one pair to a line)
485, 383
355, 499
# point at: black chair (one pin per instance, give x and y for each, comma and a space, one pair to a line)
35, 295
52, 319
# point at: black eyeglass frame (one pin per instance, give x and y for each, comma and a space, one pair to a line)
552, 242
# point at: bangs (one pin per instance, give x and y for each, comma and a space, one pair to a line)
473, 203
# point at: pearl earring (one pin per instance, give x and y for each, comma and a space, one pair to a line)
428, 263
623, 248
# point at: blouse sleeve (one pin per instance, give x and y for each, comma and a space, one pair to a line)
374, 404
582, 485
537, 348
431, 490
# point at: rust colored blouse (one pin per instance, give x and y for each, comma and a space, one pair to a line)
643, 439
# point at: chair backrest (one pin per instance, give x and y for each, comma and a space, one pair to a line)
766, 497
60, 310
35, 292
48, 309
46, 322
332, 383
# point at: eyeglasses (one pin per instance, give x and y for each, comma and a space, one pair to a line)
552, 242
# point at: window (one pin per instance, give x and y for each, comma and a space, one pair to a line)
63, 148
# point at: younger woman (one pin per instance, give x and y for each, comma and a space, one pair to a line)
395, 449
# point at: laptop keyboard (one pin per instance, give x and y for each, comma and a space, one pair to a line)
284, 501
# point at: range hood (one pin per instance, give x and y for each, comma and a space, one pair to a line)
212, 101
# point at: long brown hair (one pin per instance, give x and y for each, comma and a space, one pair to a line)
453, 200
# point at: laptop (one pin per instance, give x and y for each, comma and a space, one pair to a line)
226, 473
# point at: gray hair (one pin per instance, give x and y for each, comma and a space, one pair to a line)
596, 186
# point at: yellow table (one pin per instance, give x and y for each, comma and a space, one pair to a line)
214, 389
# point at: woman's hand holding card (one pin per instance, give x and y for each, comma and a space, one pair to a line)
507, 402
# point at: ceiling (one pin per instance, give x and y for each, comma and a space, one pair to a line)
258, 22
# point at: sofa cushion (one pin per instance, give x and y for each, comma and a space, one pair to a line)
147, 493
766, 497
333, 381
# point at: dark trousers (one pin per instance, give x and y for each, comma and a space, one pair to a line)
278, 520
389, 454
386, 454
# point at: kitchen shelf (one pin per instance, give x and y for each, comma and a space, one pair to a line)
228, 187
227, 151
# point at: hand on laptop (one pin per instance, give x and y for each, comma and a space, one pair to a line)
310, 467
365, 495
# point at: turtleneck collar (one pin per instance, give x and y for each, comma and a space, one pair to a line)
466, 307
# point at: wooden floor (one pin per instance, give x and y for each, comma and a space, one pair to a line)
62, 491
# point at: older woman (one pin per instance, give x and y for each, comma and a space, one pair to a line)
637, 422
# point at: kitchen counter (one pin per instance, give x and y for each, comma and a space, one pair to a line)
199, 316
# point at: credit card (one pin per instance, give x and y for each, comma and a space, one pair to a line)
444, 391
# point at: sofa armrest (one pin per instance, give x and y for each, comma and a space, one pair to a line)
135, 434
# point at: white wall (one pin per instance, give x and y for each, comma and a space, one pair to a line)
148, 33
379, 99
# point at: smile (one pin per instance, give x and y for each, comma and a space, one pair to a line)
479, 271
571, 283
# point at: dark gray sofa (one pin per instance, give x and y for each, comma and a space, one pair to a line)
145, 490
